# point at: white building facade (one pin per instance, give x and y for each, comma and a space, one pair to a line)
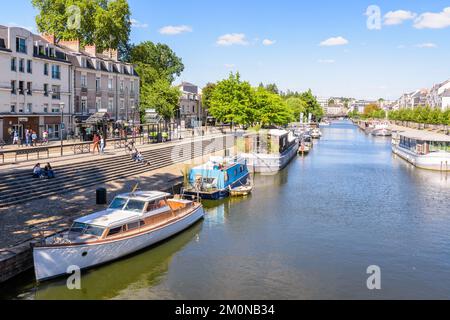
35, 85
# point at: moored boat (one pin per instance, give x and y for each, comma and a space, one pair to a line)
241, 191
132, 222
423, 149
316, 133
213, 180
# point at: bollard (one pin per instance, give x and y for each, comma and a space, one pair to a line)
101, 196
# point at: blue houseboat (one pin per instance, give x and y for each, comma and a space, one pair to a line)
214, 179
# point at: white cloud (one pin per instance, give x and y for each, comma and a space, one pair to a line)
430, 20
326, 61
268, 42
232, 39
230, 65
174, 30
136, 24
398, 17
336, 41
426, 45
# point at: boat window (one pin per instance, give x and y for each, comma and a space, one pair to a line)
154, 205
132, 226
114, 231
141, 223
135, 206
94, 231
78, 227
118, 203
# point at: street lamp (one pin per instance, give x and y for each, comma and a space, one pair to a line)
61, 126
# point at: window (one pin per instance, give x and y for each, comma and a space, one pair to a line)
13, 64
46, 69
83, 63
110, 105
122, 104
132, 87
135, 206
13, 87
46, 108
21, 107
13, 108
133, 226
98, 104
114, 231
84, 81
121, 86
110, 67
98, 84
99, 66
56, 72
29, 108
94, 231
21, 65
46, 89
118, 203
55, 109
110, 84
21, 45
84, 105
30, 66
29, 88
21, 87
56, 94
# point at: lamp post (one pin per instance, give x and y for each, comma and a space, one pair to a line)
61, 126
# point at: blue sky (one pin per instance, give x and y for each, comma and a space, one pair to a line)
409, 51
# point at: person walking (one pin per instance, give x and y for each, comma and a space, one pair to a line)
15, 137
27, 137
34, 138
96, 141
102, 144
45, 136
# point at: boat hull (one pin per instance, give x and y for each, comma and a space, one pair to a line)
53, 261
439, 161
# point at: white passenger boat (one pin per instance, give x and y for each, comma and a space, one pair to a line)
316, 133
132, 222
270, 151
423, 149
381, 129
324, 123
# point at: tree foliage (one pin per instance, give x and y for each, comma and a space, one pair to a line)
161, 96
104, 23
207, 92
297, 106
422, 114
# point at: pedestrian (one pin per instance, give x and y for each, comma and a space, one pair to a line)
27, 137
116, 132
37, 171
15, 137
102, 144
48, 171
34, 138
45, 136
96, 141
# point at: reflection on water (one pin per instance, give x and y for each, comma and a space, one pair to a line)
308, 233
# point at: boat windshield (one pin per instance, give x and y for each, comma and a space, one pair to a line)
135, 206
84, 228
118, 203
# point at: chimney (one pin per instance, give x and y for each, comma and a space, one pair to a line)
111, 54
72, 45
49, 38
91, 50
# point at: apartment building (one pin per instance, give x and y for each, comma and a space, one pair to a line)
190, 107
439, 96
103, 87
35, 84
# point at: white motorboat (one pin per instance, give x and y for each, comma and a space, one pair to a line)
325, 123
316, 133
132, 222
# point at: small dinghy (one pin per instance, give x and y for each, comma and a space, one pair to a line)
241, 191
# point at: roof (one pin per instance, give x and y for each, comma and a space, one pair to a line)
424, 135
109, 218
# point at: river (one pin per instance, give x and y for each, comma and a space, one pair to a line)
309, 232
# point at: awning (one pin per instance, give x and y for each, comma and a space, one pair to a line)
98, 117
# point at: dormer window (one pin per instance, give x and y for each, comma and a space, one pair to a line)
110, 67
21, 45
83, 62
98, 65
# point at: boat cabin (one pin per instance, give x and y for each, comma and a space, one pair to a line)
274, 141
218, 173
423, 143
129, 214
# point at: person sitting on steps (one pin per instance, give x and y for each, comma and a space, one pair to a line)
37, 171
48, 171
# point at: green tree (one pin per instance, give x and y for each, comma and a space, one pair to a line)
160, 57
101, 22
232, 101
161, 96
271, 109
207, 93
297, 106
312, 106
